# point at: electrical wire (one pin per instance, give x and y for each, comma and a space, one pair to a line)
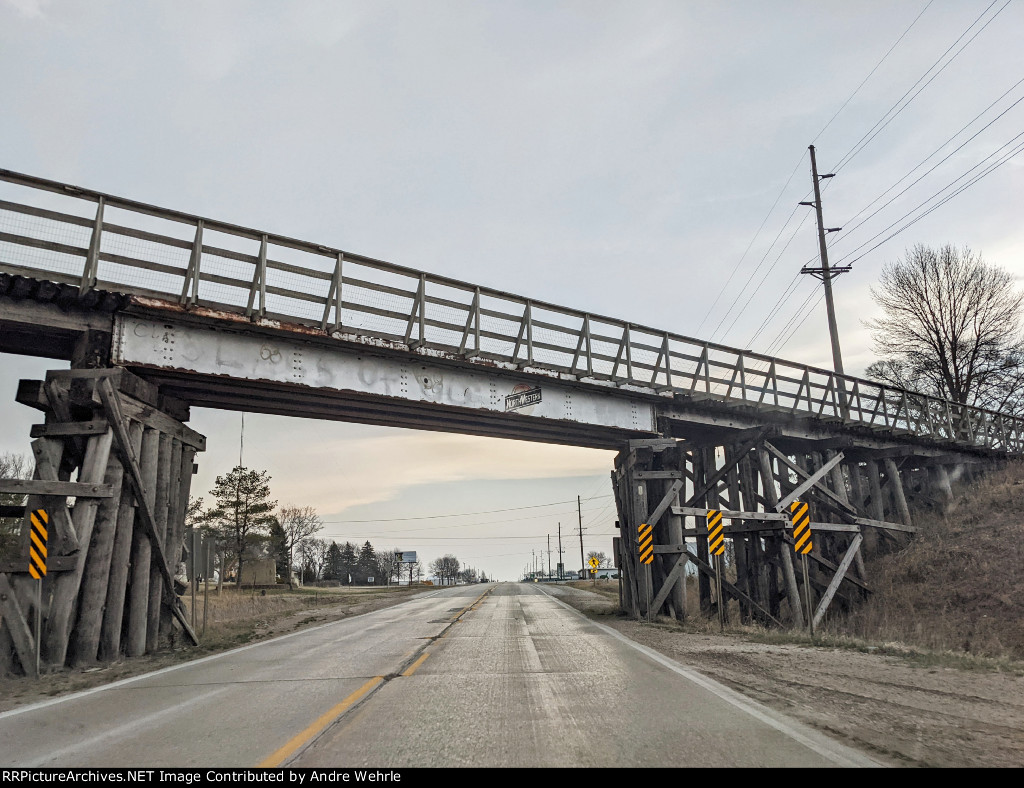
877, 129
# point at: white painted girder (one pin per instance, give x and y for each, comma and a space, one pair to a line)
205, 350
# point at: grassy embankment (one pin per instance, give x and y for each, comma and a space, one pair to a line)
953, 595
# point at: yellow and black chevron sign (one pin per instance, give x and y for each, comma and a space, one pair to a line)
716, 533
37, 544
800, 515
645, 534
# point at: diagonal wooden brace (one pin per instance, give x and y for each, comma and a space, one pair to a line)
720, 474
11, 614
826, 598
814, 480
666, 502
676, 574
730, 588
145, 513
833, 499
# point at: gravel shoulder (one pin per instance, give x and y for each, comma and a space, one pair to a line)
891, 704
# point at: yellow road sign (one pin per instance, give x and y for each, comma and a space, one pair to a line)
645, 534
800, 515
37, 544
716, 533
593, 562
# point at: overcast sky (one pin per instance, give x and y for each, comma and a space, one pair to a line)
636, 159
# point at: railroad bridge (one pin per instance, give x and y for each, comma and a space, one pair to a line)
158, 310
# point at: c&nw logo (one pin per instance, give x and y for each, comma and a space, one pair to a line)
522, 397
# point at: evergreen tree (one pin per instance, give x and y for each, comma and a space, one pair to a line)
333, 570
347, 563
243, 508
366, 565
278, 548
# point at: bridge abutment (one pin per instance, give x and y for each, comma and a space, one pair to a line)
114, 465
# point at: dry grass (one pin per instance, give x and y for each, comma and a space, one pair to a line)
959, 585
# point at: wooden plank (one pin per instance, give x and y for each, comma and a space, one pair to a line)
833, 586
788, 574
160, 512
65, 489
882, 524
658, 474
64, 429
54, 563
696, 511
17, 627
120, 559
47, 456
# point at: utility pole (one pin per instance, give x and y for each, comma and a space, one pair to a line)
561, 566
549, 556
824, 273
579, 512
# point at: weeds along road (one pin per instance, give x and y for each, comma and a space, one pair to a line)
489, 675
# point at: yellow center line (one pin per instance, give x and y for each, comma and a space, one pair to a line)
412, 668
321, 722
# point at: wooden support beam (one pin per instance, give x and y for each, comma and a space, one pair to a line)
884, 525
802, 474
65, 429
710, 482
145, 511
789, 575
705, 568
64, 489
832, 567
833, 586
897, 487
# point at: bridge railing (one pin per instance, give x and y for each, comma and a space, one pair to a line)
63, 233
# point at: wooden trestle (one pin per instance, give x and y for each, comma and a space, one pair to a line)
109, 588
859, 499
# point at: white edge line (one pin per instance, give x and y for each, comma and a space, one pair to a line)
751, 707
189, 663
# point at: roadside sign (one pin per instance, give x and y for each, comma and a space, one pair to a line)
800, 515
646, 536
593, 562
716, 533
37, 544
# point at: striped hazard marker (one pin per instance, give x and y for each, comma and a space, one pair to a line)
716, 533
645, 534
800, 515
37, 544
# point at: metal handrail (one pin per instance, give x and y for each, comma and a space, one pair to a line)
49, 230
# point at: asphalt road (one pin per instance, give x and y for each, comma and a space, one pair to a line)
499, 675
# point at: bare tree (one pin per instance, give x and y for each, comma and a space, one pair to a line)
951, 328
313, 556
298, 524
389, 565
602, 559
12, 466
446, 568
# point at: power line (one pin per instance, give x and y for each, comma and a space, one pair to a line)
936, 165
875, 130
879, 63
463, 514
987, 171
752, 240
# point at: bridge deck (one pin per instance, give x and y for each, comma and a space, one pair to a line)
98, 242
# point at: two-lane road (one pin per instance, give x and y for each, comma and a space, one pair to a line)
486, 675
